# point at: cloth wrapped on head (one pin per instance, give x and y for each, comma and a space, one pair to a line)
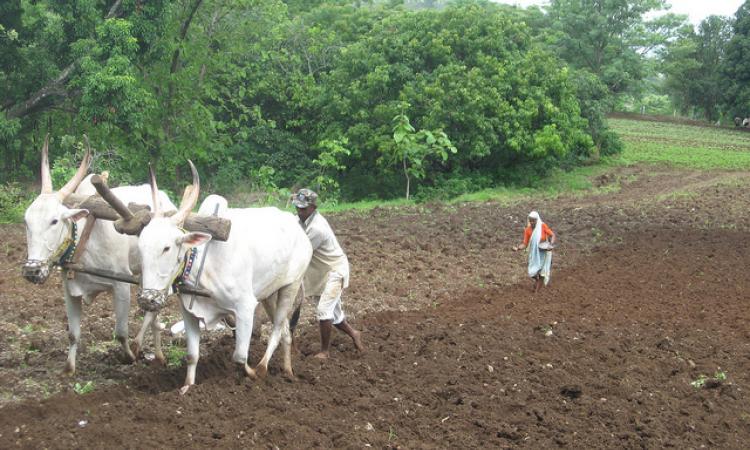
304, 198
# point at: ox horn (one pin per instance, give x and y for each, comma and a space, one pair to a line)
72, 185
189, 198
154, 191
46, 177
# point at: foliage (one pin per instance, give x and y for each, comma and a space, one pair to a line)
690, 64
736, 68
413, 149
609, 38
269, 95
175, 355
13, 202
329, 163
83, 389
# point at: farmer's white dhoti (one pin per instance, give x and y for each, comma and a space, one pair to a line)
329, 302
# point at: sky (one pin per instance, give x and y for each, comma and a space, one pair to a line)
696, 10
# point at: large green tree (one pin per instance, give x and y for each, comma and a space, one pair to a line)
691, 68
737, 65
610, 38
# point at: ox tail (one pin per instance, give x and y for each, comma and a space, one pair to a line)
299, 299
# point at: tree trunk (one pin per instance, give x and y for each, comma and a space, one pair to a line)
406, 174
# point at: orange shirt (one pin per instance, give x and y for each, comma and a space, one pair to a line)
546, 232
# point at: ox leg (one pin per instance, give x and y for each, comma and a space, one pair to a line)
121, 300
140, 337
193, 336
73, 310
156, 333
280, 331
243, 333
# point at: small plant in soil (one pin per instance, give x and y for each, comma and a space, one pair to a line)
83, 389
705, 381
175, 355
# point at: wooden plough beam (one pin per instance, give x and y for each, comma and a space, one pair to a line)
184, 289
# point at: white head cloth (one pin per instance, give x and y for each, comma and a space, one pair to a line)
536, 235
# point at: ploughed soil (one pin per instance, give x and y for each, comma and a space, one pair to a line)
649, 297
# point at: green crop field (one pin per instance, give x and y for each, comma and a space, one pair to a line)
680, 145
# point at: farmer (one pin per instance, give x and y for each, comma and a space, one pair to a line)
328, 274
536, 237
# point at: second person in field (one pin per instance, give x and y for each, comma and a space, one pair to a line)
539, 239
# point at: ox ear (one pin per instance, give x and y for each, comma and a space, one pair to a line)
194, 239
75, 214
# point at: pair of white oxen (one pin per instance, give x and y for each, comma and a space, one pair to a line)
264, 258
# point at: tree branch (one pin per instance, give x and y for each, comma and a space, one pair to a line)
54, 88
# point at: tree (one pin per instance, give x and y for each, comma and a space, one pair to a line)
414, 149
609, 38
329, 164
690, 67
736, 69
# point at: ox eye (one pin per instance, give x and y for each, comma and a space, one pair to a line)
54, 221
166, 249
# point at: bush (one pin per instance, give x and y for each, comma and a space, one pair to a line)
453, 185
610, 143
13, 203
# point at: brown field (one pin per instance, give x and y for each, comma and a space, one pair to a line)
649, 292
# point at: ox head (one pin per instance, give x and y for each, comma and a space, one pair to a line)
163, 244
49, 222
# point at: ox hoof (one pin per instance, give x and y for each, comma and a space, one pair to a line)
250, 372
245, 371
184, 389
261, 371
289, 376
69, 370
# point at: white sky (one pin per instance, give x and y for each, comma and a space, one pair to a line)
696, 10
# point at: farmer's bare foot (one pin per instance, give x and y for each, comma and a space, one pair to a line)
357, 338
321, 355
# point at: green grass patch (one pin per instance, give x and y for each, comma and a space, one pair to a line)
685, 157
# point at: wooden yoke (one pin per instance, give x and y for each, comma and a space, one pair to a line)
132, 218
128, 223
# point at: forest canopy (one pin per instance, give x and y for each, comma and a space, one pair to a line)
354, 98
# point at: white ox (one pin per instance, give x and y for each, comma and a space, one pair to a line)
265, 258
49, 226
